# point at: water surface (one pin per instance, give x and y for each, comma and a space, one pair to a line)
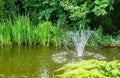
38, 62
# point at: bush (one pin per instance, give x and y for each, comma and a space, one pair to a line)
2, 11
90, 69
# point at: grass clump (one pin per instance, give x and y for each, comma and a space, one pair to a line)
90, 69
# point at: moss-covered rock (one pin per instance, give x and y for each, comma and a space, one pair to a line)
90, 69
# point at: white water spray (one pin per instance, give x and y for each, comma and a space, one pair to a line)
80, 39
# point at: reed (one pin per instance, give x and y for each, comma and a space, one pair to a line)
16, 31
1, 34
44, 31
57, 36
6, 33
20, 31
40, 34
25, 28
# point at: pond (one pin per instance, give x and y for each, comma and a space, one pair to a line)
38, 62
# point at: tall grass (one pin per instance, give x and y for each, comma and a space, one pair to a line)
20, 31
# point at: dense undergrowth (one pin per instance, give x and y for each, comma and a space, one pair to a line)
99, 39
90, 69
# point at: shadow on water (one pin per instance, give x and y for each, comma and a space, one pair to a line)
25, 62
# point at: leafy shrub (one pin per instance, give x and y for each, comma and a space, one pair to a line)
7, 9
90, 69
65, 12
2, 11
99, 39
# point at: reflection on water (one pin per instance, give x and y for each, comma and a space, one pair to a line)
25, 62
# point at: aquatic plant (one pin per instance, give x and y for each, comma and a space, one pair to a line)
90, 69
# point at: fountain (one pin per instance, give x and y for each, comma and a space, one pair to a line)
79, 39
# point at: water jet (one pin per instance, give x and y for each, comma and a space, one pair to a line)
80, 38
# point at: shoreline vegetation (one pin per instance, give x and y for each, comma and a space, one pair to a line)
44, 23
22, 32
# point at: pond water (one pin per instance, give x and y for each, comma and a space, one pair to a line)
25, 62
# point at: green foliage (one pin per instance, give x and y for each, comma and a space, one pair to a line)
115, 39
101, 40
100, 6
2, 11
62, 12
90, 69
115, 15
7, 9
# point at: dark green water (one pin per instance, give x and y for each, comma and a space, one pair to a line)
36, 62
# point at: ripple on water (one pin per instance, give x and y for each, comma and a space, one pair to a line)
59, 57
